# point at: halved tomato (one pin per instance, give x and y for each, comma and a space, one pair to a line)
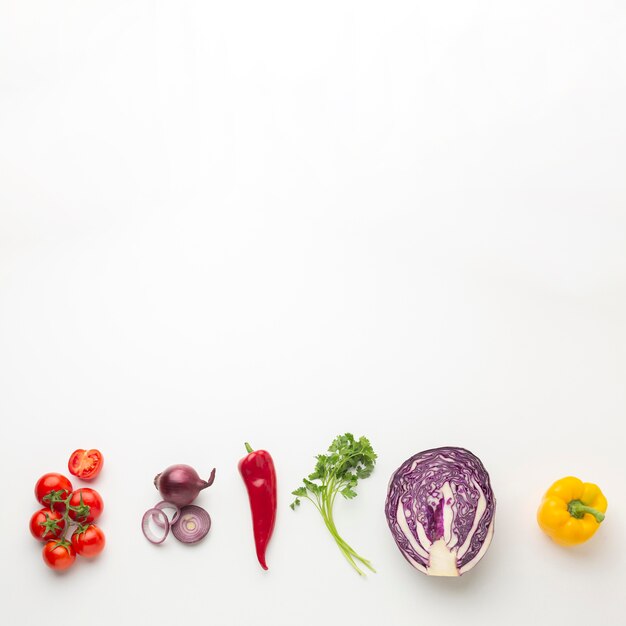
85, 464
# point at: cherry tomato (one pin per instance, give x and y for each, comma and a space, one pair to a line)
85, 464
59, 555
90, 542
86, 505
51, 488
47, 524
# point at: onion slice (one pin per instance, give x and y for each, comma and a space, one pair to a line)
163, 506
192, 524
151, 515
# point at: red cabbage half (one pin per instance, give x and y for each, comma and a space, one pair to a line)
440, 509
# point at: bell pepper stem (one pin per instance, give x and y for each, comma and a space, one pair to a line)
248, 447
577, 509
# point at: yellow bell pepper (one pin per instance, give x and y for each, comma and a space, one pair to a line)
571, 511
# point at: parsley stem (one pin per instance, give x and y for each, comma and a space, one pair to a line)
343, 545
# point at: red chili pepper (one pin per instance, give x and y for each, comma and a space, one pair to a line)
259, 476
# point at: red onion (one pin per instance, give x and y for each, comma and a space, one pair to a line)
151, 515
192, 524
180, 484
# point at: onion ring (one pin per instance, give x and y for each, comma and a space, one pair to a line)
164, 504
151, 515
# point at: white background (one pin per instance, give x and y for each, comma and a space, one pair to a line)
279, 221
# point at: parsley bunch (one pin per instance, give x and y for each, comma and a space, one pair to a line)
339, 471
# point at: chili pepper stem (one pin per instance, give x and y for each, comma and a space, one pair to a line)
577, 509
249, 448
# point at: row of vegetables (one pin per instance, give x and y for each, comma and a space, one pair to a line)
440, 506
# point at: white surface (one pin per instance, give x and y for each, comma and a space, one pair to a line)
278, 221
